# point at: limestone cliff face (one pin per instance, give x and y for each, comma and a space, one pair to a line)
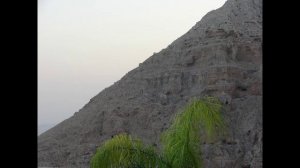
220, 56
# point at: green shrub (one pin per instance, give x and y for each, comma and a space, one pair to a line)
201, 120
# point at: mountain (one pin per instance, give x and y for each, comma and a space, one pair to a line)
44, 127
220, 56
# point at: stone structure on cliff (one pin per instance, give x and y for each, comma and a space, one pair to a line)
220, 56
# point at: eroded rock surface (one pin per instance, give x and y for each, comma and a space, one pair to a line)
220, 56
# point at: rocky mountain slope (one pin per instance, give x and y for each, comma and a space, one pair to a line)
220, 56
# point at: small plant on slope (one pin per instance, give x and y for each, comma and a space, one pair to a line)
200, 120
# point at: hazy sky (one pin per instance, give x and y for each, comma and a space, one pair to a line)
85, 46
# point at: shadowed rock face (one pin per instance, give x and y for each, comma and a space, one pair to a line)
220, 56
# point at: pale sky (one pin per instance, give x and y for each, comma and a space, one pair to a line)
85, 46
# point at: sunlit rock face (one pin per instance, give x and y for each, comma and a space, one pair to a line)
220, 56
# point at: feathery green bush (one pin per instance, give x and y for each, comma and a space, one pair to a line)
200, 120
